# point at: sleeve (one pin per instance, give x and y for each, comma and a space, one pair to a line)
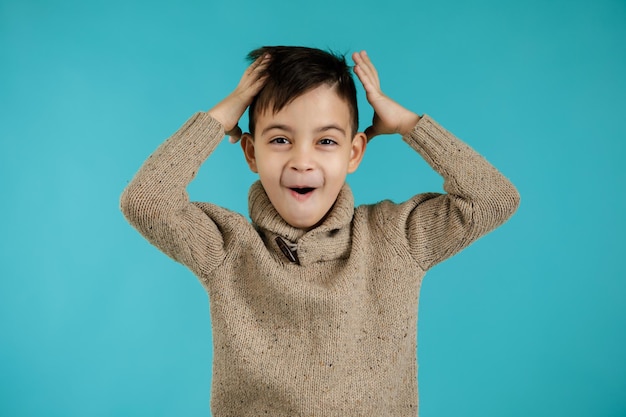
156, 202
478, 197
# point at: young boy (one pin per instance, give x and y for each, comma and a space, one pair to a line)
313, 305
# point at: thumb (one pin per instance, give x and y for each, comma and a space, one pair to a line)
234, 134
370, 132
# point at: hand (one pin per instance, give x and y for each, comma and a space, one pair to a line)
389, 116
229, 111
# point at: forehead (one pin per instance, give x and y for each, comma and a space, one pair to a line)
320, 105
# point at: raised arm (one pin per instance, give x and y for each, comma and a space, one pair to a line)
156, 202
478, 197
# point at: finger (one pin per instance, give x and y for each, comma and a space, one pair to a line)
235, 134
360, 63
255, 72
367, 74
258, 85
259, 81
370, 132
253, 83
360, 69
370, 66
263, 59
368, 84
261, 64
362, 60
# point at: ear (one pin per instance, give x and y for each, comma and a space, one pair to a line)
247, 144
359, 143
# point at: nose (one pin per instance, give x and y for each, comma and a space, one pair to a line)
301, 159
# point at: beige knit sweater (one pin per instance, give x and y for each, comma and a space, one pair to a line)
333, 333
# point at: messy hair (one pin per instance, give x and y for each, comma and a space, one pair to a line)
296, 70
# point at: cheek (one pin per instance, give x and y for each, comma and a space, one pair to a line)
269, 171
338, 165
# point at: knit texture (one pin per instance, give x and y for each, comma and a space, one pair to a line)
335, 332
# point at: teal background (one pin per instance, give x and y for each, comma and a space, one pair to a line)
529, 321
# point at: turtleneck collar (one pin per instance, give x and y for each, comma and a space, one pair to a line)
328, 241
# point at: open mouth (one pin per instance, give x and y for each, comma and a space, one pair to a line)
302, 190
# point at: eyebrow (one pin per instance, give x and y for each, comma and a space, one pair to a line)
331, 127
290, 130
277, 126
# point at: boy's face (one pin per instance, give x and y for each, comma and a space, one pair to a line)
303, 154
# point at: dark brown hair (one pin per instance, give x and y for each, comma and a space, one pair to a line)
295, 70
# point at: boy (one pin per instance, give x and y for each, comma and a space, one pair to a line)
314, 304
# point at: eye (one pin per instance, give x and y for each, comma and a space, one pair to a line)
279, 141
327, 141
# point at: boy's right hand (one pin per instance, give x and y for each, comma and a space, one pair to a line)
229, 111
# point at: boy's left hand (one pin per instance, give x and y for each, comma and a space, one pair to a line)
389, 116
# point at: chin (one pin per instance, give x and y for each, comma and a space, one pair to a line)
302, 225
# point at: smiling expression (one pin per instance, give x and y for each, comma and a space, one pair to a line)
303, 154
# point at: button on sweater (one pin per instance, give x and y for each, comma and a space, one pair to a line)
332, 329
